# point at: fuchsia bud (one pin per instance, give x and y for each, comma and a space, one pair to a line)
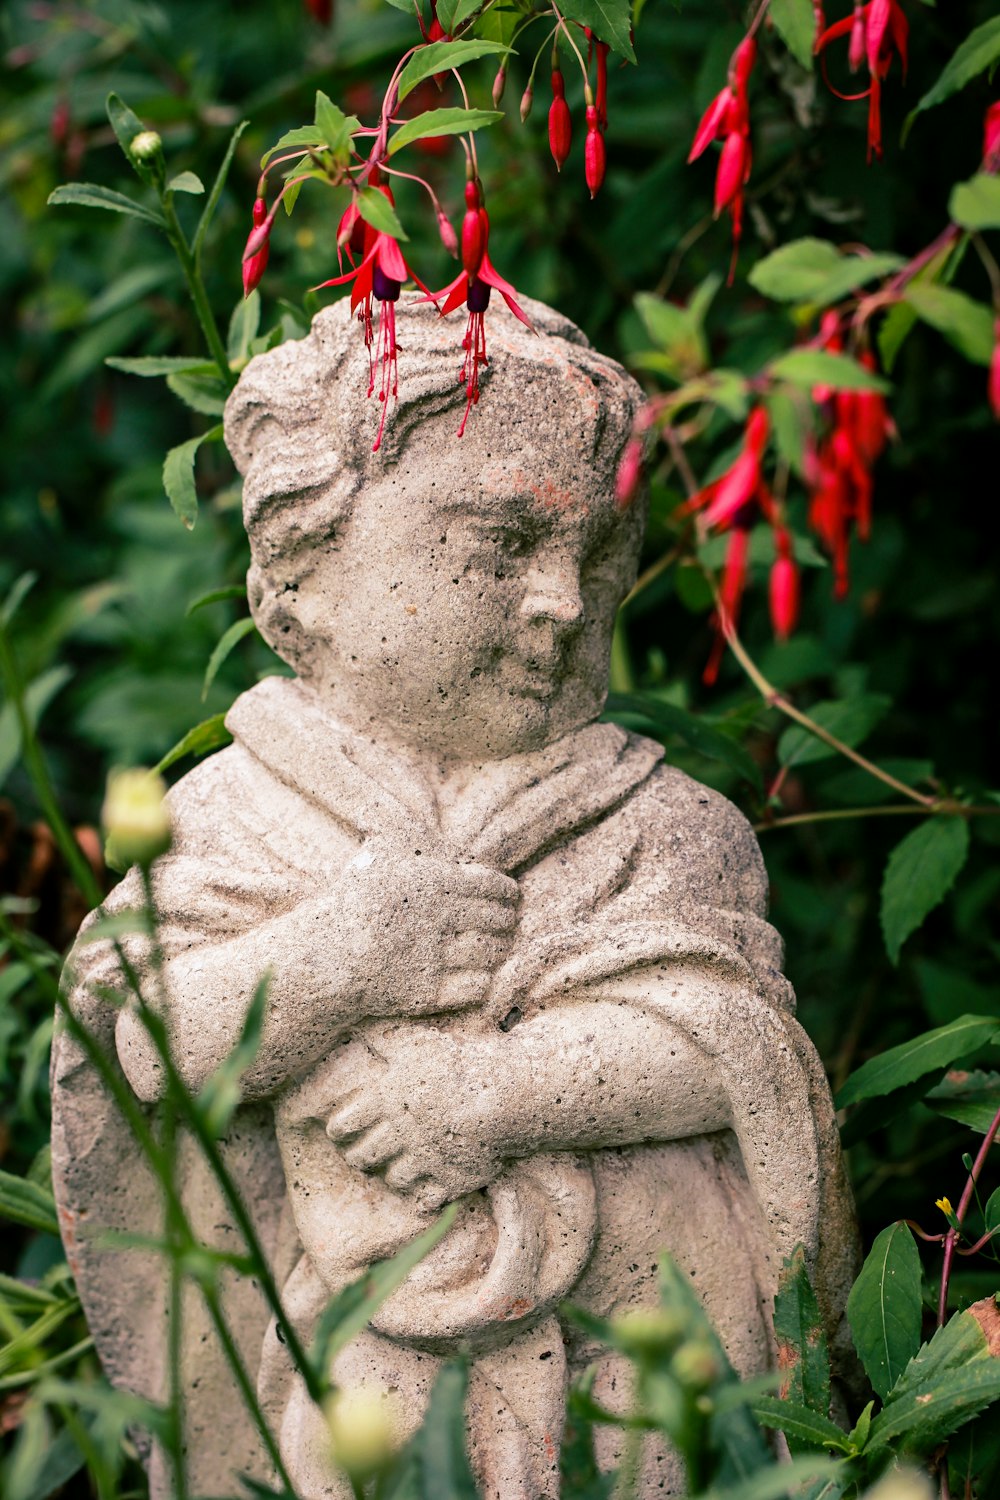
473, 231
593, 152
784, 588
993, 386
499, 84
733, 169
991, 138
255, 264
742, 63
629, 473
560, 121
447, 232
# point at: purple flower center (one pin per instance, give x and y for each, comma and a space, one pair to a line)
478, 298
383, 286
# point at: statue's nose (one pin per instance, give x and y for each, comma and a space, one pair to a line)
554, 594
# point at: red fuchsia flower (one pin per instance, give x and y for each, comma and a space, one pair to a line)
722, 501
594, 156
560, 121
783, 588
379, 277
629, 475
877, 31
991, 139
473, 287
255, 264
993, 386
727, 119
731, 589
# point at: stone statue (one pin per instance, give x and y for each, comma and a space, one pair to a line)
518, 961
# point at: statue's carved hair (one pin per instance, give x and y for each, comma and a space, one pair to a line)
300, 425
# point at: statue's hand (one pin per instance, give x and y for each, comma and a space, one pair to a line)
418, 1106
426, 932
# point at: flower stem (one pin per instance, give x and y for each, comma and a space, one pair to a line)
952, 1237
196, 287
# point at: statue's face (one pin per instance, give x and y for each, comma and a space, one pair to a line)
469, 614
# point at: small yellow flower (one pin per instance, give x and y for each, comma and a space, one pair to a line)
136, 818
944, 1204
363, 1426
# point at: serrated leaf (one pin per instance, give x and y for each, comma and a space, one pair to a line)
609, 20
438, 57
185, 182
353, 1308
434, 122
909, 1061
671, 720
884, 1309
375, 208
813, 270
921, 871
850, 720
335, 128
972, 1099
24, 1202
210, 734
808, 368
91, 195
202, 393
965, 323
949, 1380
795, 23
178, 476
803, 1356
228, 640
979, 51
804, 1428
243, 326
147, 365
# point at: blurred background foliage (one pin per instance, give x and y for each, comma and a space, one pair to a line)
117, 664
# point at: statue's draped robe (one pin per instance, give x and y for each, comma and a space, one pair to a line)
626, 867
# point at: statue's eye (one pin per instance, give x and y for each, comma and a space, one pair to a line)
513, 541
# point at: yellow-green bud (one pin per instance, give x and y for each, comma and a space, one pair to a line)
136, 818
363, 1423
650, 1330
695, 1366
146, 146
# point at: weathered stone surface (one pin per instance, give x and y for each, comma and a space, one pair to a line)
517, 959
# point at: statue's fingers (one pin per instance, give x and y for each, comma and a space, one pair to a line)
376, 1147
474, 950
463, 989
484, 916
479, 881
359, 1113
404, 1175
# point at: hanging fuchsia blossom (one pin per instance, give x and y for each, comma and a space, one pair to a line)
255, 265
473, 287
727, 119
877, 32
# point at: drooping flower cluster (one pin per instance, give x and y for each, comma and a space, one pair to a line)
561, 120
877, 30
727, 119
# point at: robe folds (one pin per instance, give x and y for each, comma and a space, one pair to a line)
630, 873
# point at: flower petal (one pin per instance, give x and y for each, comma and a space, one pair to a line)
390, 258
711, 123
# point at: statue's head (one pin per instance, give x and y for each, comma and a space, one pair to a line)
452, 594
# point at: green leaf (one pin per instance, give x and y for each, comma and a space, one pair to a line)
353, 1308
375, 208
202, 393
212, 202
909, 1061
335, 128
18, 592
965, 323
24, 1202
579, 1473
921, 871
221, 1093
38, 695
792, 425
804, 1428
215, 596
440, 1445
884, 1309
669, 719
210, 734
972, 1099
178, 475
979, 51
900, 318
125, 123
302, 135
813, 270
803, 1357
795, 23
91, 195
162, 364
780, 1481
185, 182
976, 204
434, 122
437, 57
811, 367
676, 333
609, 20
848, 719
949, 1380
243, 326
223, 647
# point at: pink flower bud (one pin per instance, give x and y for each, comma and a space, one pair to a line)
527, 99
499, 84
629, 473
258, 248
447, 232
732, 171
742, 64
593, 152
560, 121
993, 386
784, 590
991, 138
